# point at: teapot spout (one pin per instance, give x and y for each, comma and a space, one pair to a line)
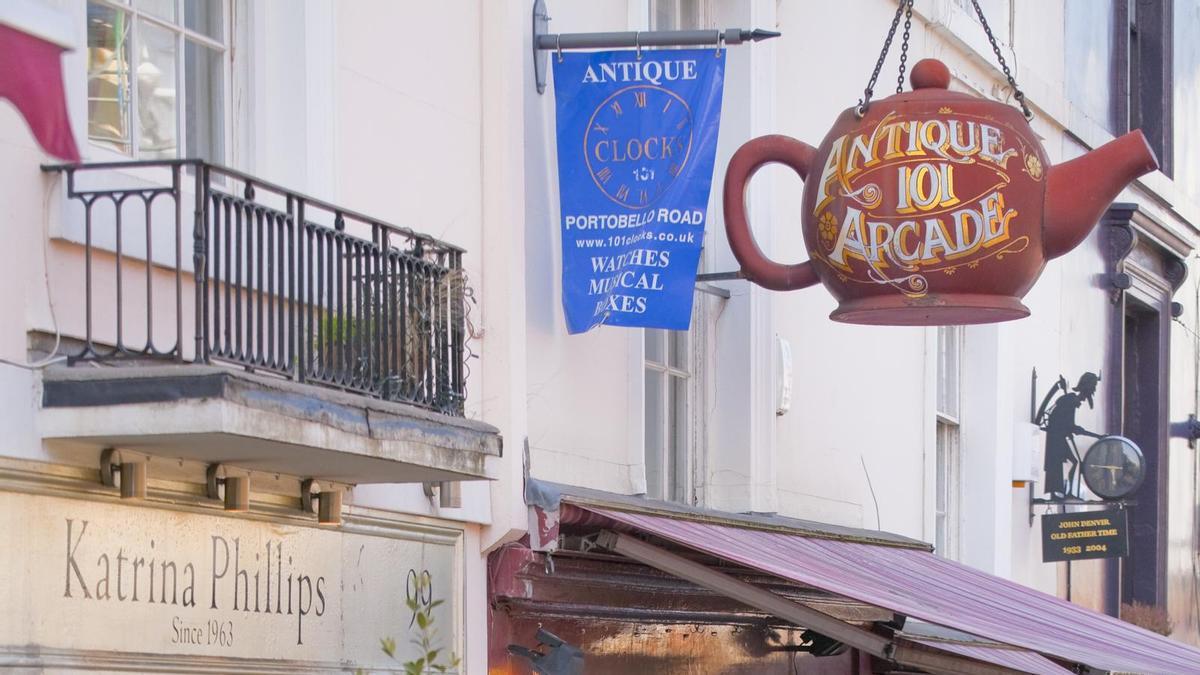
1078, 191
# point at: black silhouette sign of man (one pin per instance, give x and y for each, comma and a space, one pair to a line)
1059, 424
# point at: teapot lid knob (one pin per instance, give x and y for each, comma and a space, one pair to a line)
930, 74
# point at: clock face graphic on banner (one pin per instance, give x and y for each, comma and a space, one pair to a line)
637, 143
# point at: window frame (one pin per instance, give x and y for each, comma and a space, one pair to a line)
1133, 74
678, 442
181, 34
947, 500
948, 456
949, 371
690, 457
704, 14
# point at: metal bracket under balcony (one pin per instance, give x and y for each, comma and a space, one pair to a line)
215, 414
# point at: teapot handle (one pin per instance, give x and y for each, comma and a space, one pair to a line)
745, 162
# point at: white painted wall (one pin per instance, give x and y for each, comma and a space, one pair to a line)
363, 104
578, 433
861, 395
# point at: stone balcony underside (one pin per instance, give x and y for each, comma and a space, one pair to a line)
216, 414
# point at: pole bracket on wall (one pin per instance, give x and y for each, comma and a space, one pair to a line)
236, 493
1063, 503
325, 499
448, 493
544, 41
130, 469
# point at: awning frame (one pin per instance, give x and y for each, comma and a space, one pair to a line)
892, 650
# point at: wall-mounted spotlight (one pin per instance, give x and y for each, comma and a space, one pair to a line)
237, 487
1121, 281
1189, 429
328, 498
132, 474
449, 493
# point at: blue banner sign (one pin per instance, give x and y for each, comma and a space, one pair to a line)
636, 142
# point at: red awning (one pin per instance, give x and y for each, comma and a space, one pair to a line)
920, 585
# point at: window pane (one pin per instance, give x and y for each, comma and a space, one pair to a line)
163, 9
678, 347
1088, 42
678, 460
689, 14
108, 76
665, 12
942, 478
656, 345
677, 15
948, 369
203, 16
204, 112
157, 97
946, 486
655, 433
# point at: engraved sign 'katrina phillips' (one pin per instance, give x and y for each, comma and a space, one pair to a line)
176, 583
263, 581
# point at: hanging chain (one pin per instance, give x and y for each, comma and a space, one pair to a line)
1012, 82
904, 48
905, 7
865, 101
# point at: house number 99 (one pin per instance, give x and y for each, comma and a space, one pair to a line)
418, 591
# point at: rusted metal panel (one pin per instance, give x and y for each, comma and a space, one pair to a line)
626, 648
629, 618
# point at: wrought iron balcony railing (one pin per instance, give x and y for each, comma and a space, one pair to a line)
280, 282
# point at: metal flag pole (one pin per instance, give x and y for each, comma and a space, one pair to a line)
545, 42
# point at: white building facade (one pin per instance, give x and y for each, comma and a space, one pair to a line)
426, 116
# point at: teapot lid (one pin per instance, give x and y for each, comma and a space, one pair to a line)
930, 74
930, 80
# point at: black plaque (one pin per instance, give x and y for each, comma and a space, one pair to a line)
1085, 535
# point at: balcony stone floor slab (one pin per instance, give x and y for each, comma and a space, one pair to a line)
217, 414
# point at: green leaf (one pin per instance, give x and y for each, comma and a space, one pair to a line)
433, 604
389, 646
422, 620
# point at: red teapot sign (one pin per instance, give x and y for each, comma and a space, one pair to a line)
931, 208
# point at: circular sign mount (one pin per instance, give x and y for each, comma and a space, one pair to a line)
1114, 467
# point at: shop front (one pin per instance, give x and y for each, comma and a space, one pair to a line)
172, 583
613, 584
